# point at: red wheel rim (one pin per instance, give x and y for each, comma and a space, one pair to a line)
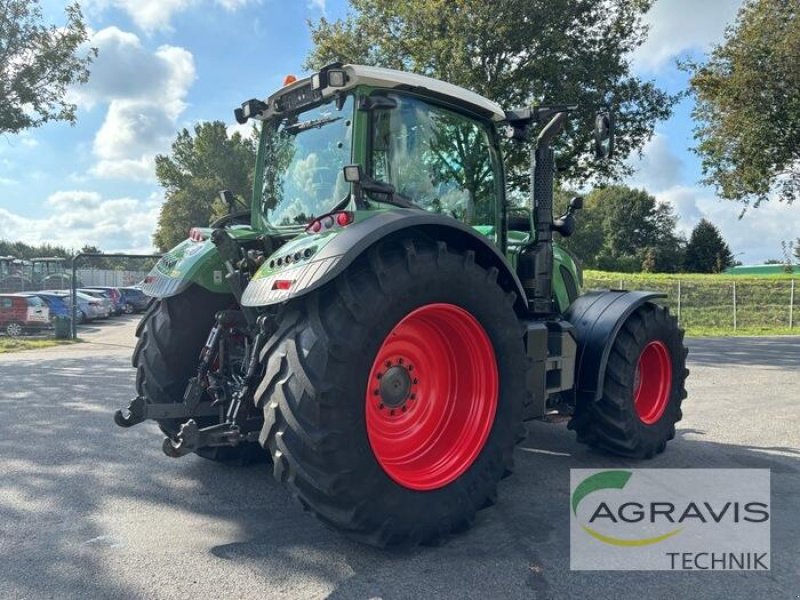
653, 382
431, 397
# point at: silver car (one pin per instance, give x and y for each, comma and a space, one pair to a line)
103, 298
90, 307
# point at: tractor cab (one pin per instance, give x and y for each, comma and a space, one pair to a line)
15, 274
418, 142
50, 273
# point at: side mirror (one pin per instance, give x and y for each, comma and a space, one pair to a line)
604, 135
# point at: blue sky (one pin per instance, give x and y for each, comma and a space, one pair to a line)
167, 64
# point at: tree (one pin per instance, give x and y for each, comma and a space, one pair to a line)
23, 250
707, 251
748, 105
200, 166
516, 52
623, 229
38, 64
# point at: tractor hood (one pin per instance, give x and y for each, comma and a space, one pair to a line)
192, 261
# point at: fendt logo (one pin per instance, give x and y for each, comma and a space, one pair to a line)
670, 519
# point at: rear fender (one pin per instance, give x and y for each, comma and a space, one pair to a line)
316, 259
597, 317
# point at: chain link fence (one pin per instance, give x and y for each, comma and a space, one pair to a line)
719, 305
109, 277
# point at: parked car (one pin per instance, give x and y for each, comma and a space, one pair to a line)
134, 300
104, 298
89, 307
113, 293
21, 314
56, 304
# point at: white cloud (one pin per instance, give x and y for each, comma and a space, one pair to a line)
233, 5
74, 200
145, 92
680, 25
83, 217
658, 167
152, 15
126, 70
755, 237
317, 4
245, 130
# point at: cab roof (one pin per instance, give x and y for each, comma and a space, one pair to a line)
391, 78
394, 79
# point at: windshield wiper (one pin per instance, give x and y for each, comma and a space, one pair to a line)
312, 124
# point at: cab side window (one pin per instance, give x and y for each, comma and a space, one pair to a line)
435, 157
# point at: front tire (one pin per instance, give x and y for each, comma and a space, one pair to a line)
643, 388
170, 337
392, 397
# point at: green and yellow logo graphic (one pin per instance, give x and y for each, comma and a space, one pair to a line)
604, 481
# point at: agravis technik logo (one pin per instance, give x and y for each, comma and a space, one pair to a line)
670, 519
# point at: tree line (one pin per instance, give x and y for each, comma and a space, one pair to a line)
24, 251
627, 230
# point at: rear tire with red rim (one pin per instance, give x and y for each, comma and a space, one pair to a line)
643, 388
392, 397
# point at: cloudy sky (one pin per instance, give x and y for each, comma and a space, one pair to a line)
167, 64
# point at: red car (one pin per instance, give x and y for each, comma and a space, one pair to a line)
19, 314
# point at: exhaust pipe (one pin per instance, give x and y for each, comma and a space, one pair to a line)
535, 267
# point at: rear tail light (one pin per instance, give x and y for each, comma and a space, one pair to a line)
332, 220
282, 284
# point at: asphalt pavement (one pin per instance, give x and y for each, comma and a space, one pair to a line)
89, 510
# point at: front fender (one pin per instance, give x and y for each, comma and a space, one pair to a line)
330, 253
597, 317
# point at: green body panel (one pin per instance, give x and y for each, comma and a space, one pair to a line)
518, 239
192, 262
563, 258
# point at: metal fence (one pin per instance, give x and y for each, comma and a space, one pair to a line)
109, 277
721, 306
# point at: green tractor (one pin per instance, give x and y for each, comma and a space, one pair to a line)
15, 275
49, 273
381, 321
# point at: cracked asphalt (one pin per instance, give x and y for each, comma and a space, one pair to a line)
89, 510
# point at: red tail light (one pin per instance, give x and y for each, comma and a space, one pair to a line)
332, 220
282, 284
344, 218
